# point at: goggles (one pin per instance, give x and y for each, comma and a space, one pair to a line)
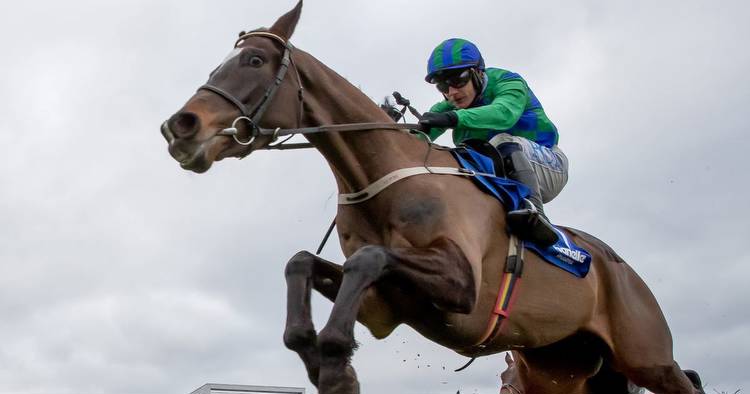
455, 80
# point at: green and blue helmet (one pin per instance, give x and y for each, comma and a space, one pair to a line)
452, 54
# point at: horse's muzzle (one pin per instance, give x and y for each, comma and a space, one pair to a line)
166, 132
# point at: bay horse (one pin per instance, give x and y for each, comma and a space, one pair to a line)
428, 250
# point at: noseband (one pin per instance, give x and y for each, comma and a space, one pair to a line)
253, 117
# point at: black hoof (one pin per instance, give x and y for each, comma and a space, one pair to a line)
695, 379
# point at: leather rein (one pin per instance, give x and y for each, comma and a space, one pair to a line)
253, 117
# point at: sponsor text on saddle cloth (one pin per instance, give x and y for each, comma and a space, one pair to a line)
564, 254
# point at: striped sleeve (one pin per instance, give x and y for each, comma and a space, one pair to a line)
511, 97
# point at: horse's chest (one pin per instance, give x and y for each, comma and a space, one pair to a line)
409, 221
420, 212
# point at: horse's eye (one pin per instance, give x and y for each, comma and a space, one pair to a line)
256, 61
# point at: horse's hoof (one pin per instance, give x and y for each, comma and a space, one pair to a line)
695, 379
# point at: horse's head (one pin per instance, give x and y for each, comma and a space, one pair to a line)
249, 89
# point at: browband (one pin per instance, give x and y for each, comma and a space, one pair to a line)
260, 33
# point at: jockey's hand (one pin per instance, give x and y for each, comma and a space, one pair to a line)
438, 119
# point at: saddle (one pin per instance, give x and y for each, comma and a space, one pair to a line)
483, 159
488, 150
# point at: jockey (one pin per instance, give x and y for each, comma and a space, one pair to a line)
497, 106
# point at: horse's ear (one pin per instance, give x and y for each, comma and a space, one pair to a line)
508, 359
284, 27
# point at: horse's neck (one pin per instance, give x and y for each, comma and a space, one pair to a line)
357, 158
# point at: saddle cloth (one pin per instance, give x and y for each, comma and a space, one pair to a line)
564, 254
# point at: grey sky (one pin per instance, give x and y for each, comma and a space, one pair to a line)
122, 273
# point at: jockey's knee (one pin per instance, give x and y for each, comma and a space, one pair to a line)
514, 158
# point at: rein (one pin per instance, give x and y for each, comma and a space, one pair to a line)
337, 128
254, 117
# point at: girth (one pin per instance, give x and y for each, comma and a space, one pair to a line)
509, 283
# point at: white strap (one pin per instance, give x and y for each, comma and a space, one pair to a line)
378, 186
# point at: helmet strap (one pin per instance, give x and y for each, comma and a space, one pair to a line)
477, 79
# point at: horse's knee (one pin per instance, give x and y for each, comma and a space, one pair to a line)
300, 264
369, 259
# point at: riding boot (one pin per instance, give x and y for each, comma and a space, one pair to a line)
529, 223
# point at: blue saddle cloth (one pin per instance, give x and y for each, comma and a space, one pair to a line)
564, 254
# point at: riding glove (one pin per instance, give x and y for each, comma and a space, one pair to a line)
438, 119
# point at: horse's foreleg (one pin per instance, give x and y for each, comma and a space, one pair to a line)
439, 272
303, 272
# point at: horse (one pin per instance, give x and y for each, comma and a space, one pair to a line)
427, 250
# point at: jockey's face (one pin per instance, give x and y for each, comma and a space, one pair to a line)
461, 97
457, 86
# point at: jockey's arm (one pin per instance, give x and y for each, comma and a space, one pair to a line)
442, 106
502, 113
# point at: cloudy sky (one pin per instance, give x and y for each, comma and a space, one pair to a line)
121, 273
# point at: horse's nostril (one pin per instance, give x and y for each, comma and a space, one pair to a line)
184, 124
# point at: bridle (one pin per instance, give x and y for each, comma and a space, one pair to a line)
254, 117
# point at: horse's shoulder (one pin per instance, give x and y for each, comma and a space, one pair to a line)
592, 241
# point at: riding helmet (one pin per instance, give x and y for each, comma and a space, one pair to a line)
451, 54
